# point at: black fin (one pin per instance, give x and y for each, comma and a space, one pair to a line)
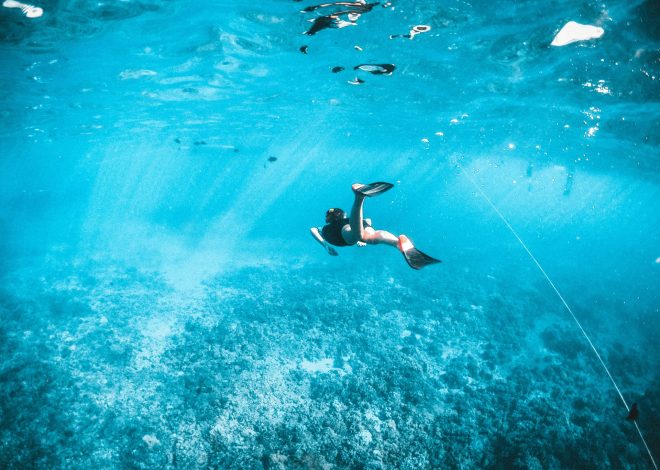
373, 189
417, 260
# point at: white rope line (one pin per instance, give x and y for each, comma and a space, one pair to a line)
641, 436
577, 322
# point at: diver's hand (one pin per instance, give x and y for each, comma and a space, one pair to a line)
331, 251
361, 244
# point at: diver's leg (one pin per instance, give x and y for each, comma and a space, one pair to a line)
355, 232
377, 237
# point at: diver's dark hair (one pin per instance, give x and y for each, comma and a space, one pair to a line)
335, 214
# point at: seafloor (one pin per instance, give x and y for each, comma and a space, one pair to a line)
284, 366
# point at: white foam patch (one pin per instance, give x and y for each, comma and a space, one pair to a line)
574, 32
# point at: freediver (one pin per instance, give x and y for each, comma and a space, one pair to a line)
356, 230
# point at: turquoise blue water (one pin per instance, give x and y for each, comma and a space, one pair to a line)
163, 304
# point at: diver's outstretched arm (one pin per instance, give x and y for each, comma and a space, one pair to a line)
317, 236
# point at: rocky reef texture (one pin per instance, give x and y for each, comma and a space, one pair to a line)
286, 367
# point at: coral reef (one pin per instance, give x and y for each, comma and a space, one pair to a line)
281, 367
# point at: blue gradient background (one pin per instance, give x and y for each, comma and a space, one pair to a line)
162, 304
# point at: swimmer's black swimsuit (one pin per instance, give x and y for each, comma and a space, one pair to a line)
331, 233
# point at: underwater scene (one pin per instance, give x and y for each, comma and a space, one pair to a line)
175, 291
